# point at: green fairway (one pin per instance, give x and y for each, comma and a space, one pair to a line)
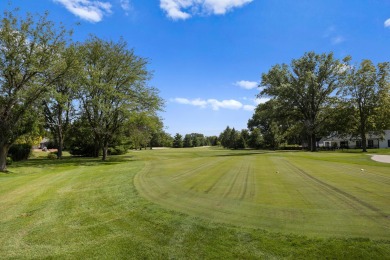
197, 203
322, 194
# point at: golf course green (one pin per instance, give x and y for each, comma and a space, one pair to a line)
197, 204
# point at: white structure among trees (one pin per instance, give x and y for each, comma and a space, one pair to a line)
373, 141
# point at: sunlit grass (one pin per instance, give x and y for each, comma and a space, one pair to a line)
84, 208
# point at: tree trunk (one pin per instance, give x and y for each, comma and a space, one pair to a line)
105, 150
3, 157
363, 131
96, 148
313, 143
308, 142
60, 143
364, 141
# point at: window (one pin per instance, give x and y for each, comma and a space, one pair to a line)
370, 143
388, 143
344, 144
358, 144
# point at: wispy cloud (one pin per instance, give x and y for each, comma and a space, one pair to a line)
184, 9
333, 35
89, 10
214, 104
387, 23
195, 102
337, 40
126, 6
246, 84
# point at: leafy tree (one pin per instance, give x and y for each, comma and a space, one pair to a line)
28, 48
255, 139
245, 136
306, 88
272, 121
113, 88
161, 139
197, 139
80, 138
382, 112
141, 127
234, 139
224, 137
58, 107
177, 141
368, 90
212, 140
187, 142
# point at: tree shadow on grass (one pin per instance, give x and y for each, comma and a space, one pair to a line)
243, 153
72, 161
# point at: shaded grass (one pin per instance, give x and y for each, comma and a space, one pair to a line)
69, 210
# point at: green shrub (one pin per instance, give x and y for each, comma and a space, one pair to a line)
9, 161
19, 152
117, 150
82, 150
52, 156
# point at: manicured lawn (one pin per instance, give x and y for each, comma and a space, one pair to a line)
197, 203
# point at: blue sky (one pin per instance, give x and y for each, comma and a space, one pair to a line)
208, 55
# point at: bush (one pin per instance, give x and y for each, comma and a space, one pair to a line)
117, 150
9, 161
52, 156
19, 152
82, 150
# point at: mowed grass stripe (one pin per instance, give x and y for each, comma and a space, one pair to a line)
282, 198
357, 185
91, 209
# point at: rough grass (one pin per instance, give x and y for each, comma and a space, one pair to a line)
199, 203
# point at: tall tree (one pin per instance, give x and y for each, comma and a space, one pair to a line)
273, 120
28, 48
224, 137
178, 141
368, 89
113, 86
141, 127
255, 139
58, 107
306, 87
187, 141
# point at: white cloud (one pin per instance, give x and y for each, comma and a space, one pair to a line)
126, 6
90, 10
215, 104
258, 101
195, 102
184, 9
337, 40
228, 104
332, 34
246, 84
249, 107
387, 23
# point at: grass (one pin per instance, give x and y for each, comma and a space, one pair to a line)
197, 203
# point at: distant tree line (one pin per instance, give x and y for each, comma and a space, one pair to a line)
193, 140
92, 97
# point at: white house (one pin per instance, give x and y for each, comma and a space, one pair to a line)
373, 141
